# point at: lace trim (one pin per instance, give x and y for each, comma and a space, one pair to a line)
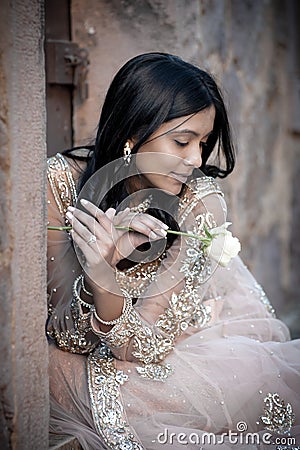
104, 382
62, 183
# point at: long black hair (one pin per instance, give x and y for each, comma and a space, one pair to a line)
149, 90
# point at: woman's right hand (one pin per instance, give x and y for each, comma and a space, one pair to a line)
111, 244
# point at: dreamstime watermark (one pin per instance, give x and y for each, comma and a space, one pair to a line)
237, 437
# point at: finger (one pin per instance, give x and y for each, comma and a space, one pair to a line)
123, 219
85, 234
121, 216
87, 250
145, 226
154, 224
147, 218
110, 213
127, 245
98, 214
91, 257
150, 219
85, 224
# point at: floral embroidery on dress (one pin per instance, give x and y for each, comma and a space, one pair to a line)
135, 280
104, 382
155, 372
278, 417
61, 182
196, 267
74, 339
150, 346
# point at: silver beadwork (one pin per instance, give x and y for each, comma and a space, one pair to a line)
104, 381
278, 417
143, 206
76, 293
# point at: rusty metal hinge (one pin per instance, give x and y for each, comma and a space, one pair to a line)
67, 64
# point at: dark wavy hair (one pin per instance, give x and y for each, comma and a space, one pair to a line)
149, 90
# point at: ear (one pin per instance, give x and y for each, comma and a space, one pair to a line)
131, 143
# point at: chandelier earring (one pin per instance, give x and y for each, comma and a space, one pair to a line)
127, 154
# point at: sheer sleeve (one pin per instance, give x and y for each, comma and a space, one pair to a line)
173, 301
67, 324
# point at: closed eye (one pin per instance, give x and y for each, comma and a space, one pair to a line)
181, 144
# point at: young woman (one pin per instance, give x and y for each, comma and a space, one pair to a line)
158, 333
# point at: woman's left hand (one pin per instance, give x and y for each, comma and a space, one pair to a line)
102, 244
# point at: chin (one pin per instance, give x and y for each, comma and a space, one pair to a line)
172, 190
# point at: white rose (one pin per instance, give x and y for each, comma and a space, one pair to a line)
223, 246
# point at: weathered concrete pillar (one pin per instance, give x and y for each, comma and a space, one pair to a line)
23, 348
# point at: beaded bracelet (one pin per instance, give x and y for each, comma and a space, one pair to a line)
125, 313
77, 296
84, 288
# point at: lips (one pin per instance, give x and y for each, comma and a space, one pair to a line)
181, 176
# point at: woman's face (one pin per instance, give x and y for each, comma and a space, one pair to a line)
172, 153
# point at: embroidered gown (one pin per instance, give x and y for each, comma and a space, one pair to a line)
205, 355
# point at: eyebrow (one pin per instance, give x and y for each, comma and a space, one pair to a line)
186, 131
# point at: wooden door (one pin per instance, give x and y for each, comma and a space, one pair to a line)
58, 95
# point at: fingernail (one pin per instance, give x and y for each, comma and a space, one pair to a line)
69, 215
162, 232
71, 208
159, 232
164, 226
152, 235
83, 201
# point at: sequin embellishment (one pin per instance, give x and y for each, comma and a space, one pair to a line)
74, 340
278, 417
264, 299
155, 372
62, 183
104, 382
151, 345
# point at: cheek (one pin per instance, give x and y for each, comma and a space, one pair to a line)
156, 163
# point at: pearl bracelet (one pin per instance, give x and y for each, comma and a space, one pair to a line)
125, 313
76, 293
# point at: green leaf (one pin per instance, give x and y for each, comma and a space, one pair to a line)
207, 232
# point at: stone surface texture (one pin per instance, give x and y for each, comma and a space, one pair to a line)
24, 398
248, 47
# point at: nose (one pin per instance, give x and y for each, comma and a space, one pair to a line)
194, 157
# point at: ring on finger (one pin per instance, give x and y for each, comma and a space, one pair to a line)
92, 239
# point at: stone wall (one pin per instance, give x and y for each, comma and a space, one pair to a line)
247, 46
24, 399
